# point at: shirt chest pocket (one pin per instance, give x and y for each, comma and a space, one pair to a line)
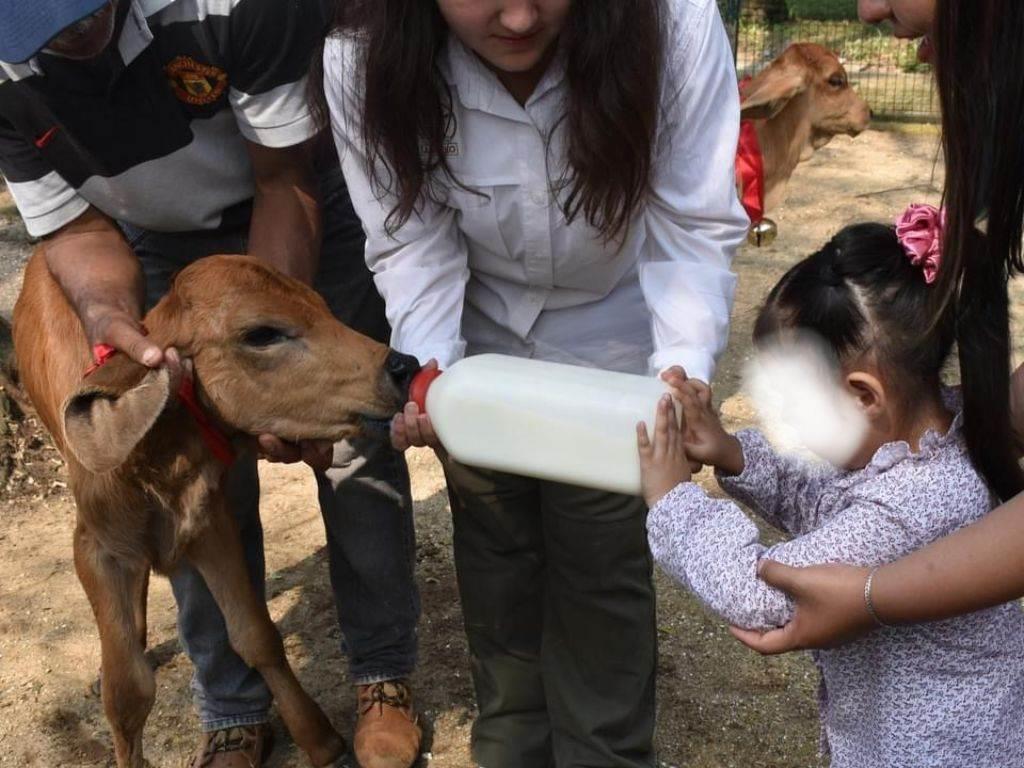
490, 216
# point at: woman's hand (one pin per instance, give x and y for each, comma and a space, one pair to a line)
412, 429
706, 440
830, 608
663, 462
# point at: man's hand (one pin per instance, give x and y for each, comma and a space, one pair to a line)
109, 324
102, 278
319, 454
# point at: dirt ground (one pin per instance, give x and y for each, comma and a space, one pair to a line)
719, 705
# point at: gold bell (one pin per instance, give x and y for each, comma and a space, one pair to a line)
763, 233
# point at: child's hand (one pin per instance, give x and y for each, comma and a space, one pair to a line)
705, 439
663, 462
674, 377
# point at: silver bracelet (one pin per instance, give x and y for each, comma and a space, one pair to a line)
867, 597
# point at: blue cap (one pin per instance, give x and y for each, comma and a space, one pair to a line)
26, 26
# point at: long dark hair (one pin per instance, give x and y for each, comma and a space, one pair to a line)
980, 74
860, 292
613, 65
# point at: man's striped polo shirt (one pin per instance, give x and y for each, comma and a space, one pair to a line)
153, 132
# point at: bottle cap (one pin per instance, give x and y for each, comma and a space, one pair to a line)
420, 384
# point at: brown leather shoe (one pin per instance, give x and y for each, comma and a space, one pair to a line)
387, 734
240, 747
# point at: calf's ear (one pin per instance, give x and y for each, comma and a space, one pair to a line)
113, 410
769, 93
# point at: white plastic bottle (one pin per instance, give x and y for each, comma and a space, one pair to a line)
539, 419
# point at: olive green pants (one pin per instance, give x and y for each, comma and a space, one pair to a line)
559, 608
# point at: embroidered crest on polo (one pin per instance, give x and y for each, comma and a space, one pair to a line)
183, 59
194, 83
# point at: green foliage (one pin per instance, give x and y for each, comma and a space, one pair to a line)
823, 10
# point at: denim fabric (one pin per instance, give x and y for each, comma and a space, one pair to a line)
364, 497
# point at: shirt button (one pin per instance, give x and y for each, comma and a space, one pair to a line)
540, 198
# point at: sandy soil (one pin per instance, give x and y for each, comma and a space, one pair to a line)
719, 704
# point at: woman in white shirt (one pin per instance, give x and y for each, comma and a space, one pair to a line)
549, 179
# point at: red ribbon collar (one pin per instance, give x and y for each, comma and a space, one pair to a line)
214, 438
750, 167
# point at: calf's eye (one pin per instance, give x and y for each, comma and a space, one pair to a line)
264, 336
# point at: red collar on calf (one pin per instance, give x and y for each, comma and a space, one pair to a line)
750, 168
215, 439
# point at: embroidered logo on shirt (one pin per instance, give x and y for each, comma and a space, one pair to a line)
195, 83
449, 147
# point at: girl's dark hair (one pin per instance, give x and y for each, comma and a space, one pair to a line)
613, 65
979, 67
858, 293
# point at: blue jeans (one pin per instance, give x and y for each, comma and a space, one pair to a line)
364, 498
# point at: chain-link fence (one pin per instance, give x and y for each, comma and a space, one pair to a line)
884, 70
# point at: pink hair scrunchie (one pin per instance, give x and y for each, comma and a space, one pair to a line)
920, 231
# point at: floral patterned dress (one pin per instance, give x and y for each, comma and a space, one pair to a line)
949, 693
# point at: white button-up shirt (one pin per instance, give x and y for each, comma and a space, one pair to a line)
503, 271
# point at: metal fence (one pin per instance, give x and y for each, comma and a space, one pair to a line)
885, 71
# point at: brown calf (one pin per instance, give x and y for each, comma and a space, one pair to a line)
799, 103
268, 358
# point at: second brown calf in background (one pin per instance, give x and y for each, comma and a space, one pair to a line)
798, 104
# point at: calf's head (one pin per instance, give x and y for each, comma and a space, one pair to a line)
268, 357
809, 83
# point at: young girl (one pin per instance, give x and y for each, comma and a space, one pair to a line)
549, 179
949, 693
979, 67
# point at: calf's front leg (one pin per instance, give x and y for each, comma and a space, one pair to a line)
127, 686
217, 555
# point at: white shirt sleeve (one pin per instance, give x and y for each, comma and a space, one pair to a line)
47, 203
279, 117
422, 269
694, 219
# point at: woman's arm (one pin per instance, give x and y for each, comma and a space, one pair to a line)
978, 567
422, 269
693, 219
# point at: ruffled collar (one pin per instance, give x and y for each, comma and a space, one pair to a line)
932, 444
